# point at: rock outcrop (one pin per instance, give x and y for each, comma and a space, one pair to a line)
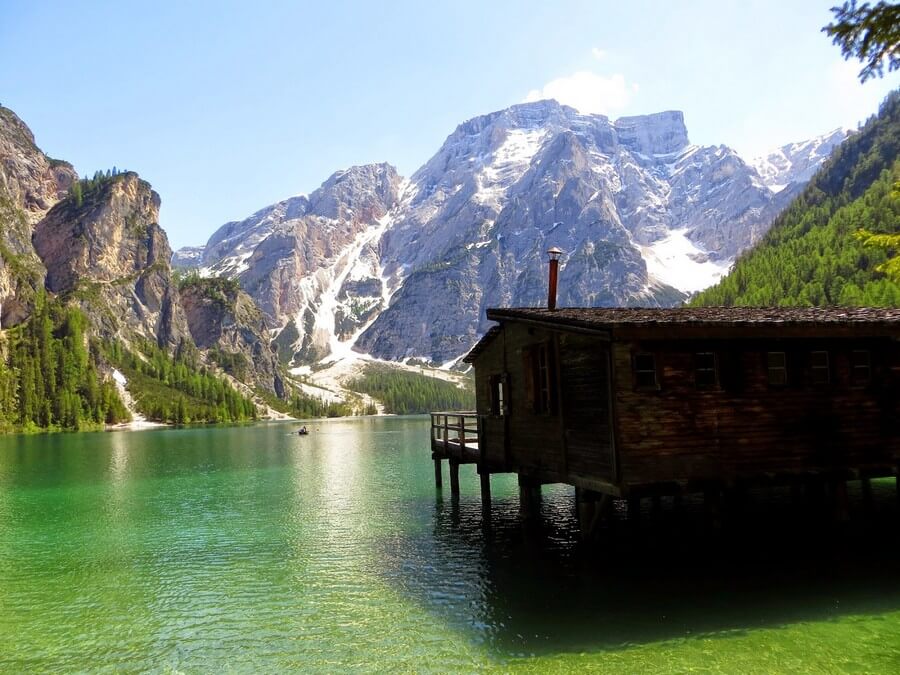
108, 251
30, 184
225, 322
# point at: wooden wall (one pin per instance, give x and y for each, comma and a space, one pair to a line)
745, 427
574, 439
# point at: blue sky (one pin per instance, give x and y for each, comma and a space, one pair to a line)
227, 107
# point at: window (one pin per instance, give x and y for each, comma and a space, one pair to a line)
498, 395
819, 368
543, 386
776, 364
860, 367
705, 370
645, 371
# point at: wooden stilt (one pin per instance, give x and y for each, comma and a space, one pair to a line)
438, 478
454, 478
712, 501
485, 477
529, 498
866, 485
591, 508
841, 503
634, 510
656, 508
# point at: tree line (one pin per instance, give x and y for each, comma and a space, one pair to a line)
177, 388
49, 377
403, 392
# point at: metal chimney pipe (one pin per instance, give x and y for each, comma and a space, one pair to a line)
554, 254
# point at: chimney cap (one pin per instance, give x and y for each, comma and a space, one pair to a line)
554, 253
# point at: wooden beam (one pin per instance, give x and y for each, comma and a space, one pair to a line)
438, 478
454, 478
485, 477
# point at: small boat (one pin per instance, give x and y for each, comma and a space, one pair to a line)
303, 431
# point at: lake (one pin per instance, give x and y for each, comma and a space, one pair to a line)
254, 549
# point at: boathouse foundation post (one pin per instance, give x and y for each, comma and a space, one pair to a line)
454, 478
485, 478
529, 498
438, 478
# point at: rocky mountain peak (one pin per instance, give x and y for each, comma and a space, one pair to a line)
29, 178
107, 248
662, 133
795, 163
361, 193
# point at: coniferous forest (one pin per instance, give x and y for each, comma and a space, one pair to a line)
404, 393
813, 254
49, 378
178, 388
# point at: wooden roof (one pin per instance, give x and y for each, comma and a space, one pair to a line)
606, 318
493, 332
701, 321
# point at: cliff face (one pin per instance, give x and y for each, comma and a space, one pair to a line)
30, 183
109, 253
225, 321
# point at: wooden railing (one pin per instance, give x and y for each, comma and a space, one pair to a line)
453, 432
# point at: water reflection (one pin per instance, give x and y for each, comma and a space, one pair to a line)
538, 590
250, 548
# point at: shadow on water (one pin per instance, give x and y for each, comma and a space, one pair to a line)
537, 590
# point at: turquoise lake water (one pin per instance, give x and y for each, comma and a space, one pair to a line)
251, 549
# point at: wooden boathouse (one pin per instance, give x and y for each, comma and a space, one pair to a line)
632, 403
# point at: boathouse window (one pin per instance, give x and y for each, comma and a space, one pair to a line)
645, 371
819, 368
705, 370
498, 395
860, 367
776, 364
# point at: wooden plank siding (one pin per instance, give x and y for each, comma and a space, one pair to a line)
744, 427
598, 429
571, 440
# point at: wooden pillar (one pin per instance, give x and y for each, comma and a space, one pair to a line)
454, 478
485, 477
438, 478
529, 498
712, 502
634, 510
591, 507
866, 484
656, 509
841, 503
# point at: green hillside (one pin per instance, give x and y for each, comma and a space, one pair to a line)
811, 255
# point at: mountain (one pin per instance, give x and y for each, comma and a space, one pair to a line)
404, 269
795, 163
104, 248
88, 304
811, 256
225, 322
30, 183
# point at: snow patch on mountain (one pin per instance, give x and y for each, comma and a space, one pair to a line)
676, 261
797, 162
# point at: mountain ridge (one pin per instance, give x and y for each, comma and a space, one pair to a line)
638, 209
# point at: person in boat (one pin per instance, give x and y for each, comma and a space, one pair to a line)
303, 431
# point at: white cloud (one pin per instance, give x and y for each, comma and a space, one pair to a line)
598, 53
588, 92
